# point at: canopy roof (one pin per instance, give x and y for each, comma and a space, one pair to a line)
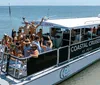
72, 23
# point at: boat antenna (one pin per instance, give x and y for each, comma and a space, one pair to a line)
9, 11
10, 15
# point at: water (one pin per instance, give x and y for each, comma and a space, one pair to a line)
89, 76
86, 77
37, 12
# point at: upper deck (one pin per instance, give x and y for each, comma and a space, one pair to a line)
72, 23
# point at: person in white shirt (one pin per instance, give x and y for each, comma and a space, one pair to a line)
37, 42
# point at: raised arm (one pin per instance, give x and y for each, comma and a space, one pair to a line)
40, 23
51, 45
43, 46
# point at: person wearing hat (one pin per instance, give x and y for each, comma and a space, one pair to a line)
5, 40
27, 48
34, 51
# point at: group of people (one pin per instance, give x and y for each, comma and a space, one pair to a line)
26, 42
85, 35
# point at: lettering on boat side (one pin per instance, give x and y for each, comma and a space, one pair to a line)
85, 45
64, 72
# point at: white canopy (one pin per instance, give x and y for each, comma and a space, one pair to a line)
72, 23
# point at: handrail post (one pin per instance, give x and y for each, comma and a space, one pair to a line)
57, 56
8, 58
69, 45
80, 35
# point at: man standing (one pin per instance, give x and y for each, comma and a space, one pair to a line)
33, 27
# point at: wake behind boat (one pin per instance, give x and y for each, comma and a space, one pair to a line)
75, 45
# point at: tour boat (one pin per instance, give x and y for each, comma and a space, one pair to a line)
75, 46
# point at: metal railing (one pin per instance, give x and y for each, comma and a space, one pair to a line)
20, 67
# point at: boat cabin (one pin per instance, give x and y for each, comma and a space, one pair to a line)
71, 39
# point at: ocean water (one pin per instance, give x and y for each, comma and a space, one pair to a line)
37, 12
89, 76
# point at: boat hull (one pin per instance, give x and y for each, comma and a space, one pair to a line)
63, 72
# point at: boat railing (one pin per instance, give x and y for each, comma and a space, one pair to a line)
4, 62
14, 66
2, 50
3, 58
22, 67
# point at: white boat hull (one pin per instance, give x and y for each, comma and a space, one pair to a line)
61, 73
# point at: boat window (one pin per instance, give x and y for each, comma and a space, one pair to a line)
56, 36
82, 34
89, 33
97, 30
44, 29
66, 38
75, 35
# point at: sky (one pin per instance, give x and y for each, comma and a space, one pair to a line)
50, 2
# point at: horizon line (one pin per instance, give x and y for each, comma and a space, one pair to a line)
49, 5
